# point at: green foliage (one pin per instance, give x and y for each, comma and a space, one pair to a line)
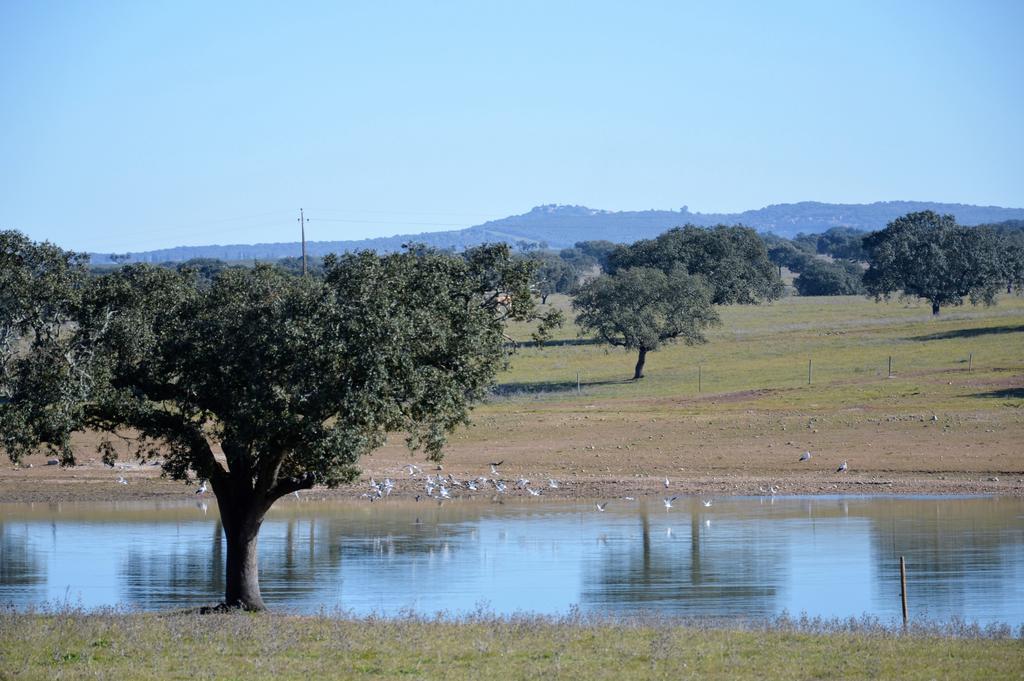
808, 243
732, 260
662, 289
598, 250
925, 255
821, 278
785, 254
206, 269
293, 377
40, 291
641, 308
553, 274
843, 243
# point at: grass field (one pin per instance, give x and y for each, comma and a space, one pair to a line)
239, 646
848, 339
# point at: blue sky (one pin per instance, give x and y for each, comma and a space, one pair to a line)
126, 126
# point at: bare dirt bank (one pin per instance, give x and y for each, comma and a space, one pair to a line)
606, 455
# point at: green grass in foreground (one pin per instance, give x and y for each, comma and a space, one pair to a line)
73, 645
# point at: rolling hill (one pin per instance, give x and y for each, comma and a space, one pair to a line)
562, 226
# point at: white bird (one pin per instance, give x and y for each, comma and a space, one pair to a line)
601, 507
494, 468
522, 482
552, 483
629, 498
842, 467
668, 502
707, 502
471, 485
533, 492
202, 488
388, 486
413, 469
666, 483
121, 480
500, 486
806, 456
773, 490
444, 493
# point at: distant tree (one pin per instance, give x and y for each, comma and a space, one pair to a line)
291, 378
206, 269
732, 260
926, 255
642, 308
552, 274
823, 278
293, 265
1010, 235
1011, 251
633, 308
808, 243
843, 243
785, 254
577, 259
598, 250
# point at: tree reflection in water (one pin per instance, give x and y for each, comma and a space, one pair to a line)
686, 572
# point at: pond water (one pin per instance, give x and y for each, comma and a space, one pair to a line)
828, 556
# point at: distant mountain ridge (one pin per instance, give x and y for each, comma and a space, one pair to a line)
562, 226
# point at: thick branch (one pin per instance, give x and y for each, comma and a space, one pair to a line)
289, 485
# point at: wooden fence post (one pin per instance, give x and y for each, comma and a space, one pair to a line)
903, 589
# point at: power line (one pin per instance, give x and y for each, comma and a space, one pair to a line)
384, 222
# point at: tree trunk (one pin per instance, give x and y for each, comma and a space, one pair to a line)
544, 299
242, 580
639, 371
935, 309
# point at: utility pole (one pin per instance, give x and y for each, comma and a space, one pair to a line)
302, 223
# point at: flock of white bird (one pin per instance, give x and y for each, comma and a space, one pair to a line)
440, 487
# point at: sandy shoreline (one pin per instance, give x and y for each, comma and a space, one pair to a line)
94, 482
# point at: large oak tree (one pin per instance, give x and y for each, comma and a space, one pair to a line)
259, 381
926, 255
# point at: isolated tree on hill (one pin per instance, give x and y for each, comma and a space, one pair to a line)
260, 382
642, 308
926, 255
